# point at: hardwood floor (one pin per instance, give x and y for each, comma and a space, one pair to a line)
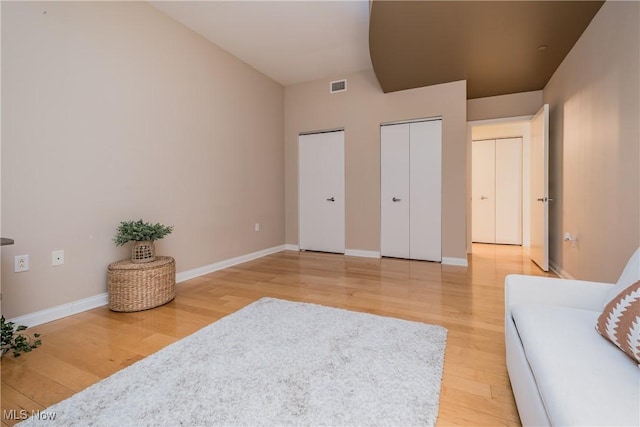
80, 350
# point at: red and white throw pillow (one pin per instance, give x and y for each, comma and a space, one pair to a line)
620, 321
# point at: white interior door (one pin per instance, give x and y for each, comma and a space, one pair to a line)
483, 187
394, 190
425, 190
508, 198
321, 192
540, 188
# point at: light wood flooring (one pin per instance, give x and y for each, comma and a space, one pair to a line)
80, 350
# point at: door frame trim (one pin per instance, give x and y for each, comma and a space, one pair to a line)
315, 132
470, 125
402, 122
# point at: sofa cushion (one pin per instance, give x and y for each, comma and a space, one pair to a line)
630, 274
582, 379
620, 321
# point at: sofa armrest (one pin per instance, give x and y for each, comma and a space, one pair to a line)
520, 289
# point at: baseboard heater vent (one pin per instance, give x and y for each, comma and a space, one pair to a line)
338, 86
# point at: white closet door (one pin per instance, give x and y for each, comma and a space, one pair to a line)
321, 192
394, 190
483, 164
509, 191
332, 198
425, 190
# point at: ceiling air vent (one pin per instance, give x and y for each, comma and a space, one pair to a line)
338, 86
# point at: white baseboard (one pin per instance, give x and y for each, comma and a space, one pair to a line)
201, 271
60, 311
361, 253
461, 262
560, 271
289, 247
75, 307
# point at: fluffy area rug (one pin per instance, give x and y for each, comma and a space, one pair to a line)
275, 362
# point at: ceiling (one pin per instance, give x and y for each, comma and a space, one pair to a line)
289, 41
409, 44
493, 45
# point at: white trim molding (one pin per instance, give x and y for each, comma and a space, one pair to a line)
75, 307
201, 271
361, 253
60, 311
500, 120
461, 262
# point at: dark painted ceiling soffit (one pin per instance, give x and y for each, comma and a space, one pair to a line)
499, 47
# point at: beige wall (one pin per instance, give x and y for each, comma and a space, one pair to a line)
512, 105
360, 111
595, 146
113, 111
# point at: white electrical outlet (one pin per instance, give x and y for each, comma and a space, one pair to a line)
57, 257
21, 263
257, 226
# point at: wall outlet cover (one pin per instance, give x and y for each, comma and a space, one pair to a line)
57, 257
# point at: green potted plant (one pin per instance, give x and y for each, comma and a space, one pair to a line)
13, 339
143, 234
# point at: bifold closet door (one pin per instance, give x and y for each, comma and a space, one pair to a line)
496, 191
410, 190
321, 192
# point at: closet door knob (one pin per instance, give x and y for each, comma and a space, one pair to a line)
395, 199
483, 197
332, 199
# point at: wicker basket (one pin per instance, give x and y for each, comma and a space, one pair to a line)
143, 251
136, 287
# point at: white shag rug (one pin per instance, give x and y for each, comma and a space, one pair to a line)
275, 362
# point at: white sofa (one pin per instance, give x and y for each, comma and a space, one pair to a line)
562, 371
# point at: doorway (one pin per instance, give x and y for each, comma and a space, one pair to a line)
321, 197
503, 132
